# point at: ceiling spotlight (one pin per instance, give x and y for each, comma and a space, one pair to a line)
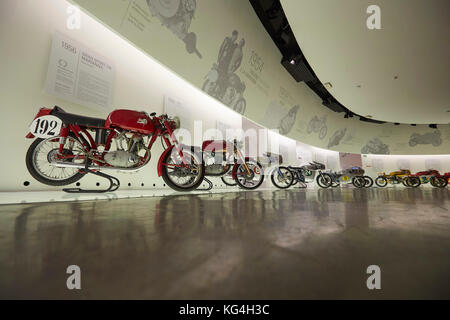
328, 85
433, 126
292, 61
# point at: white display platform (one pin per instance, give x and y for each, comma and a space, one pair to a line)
61, 196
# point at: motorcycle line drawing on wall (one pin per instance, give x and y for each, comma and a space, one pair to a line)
177, 15
433, 138
222, 82
318, 125
225, 159
69, 146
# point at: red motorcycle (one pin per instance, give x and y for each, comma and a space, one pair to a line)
68, 146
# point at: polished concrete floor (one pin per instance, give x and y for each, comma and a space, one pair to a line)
295, 244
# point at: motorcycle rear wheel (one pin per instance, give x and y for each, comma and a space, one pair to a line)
369, 182
286, 176
245, 182
381, 181
227, 179
324, 180
50, 149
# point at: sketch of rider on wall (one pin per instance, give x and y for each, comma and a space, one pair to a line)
222, 82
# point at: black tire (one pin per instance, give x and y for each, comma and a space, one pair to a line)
36, 175
359, 181
290, 180
414, 182
240, 184
369, 182
438, 182
177, 187
324, 180
227, 182
381, 181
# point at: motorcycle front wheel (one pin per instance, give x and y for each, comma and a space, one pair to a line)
182, 177
359, 181
438, 182
324, 180
251, 179
42, 152
282, 178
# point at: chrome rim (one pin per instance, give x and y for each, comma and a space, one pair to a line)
246, 180
284, 179
184, 177
46, 152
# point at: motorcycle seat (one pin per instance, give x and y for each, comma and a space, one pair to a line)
70, 118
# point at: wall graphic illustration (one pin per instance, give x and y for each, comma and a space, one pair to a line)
222, 82
336, 138
318, 125
240, 66
177, 15
375, 146
287, 122
433, 138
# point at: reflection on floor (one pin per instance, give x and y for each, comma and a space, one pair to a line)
253, 245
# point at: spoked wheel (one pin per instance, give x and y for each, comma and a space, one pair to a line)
180, 176
369, 182
227, 178
438, 182
359, 181
252, 178
381, 181
324, 180
42, 152
412, 182
282, 178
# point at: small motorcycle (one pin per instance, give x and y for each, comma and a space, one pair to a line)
394, 177
423, 177
68, 146
354, 175
224, 159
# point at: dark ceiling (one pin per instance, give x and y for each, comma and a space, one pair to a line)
272, 16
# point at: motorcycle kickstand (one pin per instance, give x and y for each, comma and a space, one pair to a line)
207, 188
114, 183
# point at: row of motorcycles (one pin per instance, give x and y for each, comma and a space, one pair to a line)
405, 177
69, 146
284, 177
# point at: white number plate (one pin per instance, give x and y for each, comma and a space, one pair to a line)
46, 127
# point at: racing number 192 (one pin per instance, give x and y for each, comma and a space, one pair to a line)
45, 127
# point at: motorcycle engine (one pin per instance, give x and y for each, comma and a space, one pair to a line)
125, 156
121, 158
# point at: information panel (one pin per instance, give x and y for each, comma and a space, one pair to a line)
79, 75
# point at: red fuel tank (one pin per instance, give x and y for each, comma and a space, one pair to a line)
130, 120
